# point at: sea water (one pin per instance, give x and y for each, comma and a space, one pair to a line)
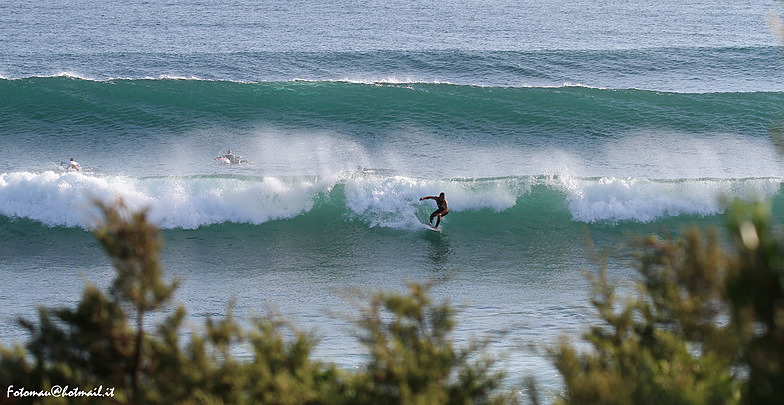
542, 122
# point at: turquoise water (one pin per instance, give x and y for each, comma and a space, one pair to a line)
542, 122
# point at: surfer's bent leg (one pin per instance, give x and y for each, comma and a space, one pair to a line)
439, 213
433, 215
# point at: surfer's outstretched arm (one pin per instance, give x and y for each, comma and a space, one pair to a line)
430, 197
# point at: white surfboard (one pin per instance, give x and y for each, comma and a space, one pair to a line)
431, 228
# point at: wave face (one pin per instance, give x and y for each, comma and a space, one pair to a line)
602, 155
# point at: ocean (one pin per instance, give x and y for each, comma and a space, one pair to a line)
543, 123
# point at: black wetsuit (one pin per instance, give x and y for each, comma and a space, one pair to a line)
443, 209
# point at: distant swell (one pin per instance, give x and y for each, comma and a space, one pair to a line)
189, 202
675, 69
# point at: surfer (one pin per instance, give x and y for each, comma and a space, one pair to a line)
443, 208
231, 158
73, 165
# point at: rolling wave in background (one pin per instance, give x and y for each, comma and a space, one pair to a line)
179, 103
153, 127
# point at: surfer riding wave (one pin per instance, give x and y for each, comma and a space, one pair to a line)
443, 208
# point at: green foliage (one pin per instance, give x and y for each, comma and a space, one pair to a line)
103, 343
707, 325
413, 360
755, 289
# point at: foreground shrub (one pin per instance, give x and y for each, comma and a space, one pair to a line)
413, 360
707, 325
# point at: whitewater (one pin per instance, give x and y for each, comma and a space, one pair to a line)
190, 202
544, 125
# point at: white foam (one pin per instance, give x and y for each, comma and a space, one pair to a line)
66, 199
57, 199
177, 77
646, 200
51, 198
